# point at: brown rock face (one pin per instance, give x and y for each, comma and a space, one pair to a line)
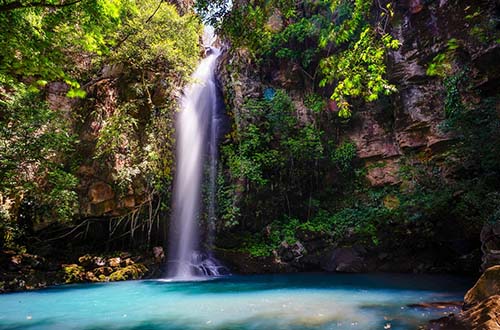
485, 315
488, 285
346, 260
158, 254
490, 239
100, 192
373, 135
383, 173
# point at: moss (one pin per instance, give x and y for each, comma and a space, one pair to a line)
74, 273
131, 272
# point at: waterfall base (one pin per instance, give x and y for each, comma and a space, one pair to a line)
202, 266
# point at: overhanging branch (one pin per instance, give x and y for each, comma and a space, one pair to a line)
20, 4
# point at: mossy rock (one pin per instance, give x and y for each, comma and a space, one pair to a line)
114, 262
74, 273
131, 272
105, 270
488, 285
86, 261
91, 277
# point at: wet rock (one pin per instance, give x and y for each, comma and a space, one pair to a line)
90, 276
114, 262
99, 261
26, 261
450, 322
158, 254
488, 285
106, 271
485, 315
345, 260
438, 305
126, 262
90, 262
290, 252
490, 244
15, 263
86, 261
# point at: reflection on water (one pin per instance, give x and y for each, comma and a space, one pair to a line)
266, 302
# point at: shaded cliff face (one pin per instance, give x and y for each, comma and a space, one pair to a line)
122, 157
116, 128
418, 108
414, 155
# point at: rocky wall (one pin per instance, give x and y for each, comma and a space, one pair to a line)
405, 128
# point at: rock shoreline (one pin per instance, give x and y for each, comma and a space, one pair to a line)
24, 271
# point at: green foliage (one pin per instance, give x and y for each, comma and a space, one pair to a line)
441, 63
480, 29
227, 202
38, 40
453, 102
333, 39
153, 42
33, 142
62, 42
345, 46
359, 70
344, 155
271, 149
424, 207
246, 27
315, 102
73, 273
289, 43
140, 130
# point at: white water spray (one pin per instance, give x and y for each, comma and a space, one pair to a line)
198, 126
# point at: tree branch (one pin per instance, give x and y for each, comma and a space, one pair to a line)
20, 5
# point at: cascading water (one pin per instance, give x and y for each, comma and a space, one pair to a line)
198, 126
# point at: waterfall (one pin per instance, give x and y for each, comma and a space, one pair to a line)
198, 129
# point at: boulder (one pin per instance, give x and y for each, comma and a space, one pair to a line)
490, 244
73, 273
345, 260
126, 262
485, 315
488, 285
87, 261
91, 277
290, 252
158, 254
103, 271
114, 262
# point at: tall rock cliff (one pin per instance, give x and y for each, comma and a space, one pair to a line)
414, 149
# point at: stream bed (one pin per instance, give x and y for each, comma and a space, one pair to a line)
257, 302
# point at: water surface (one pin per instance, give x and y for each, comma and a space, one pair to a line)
263, 302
